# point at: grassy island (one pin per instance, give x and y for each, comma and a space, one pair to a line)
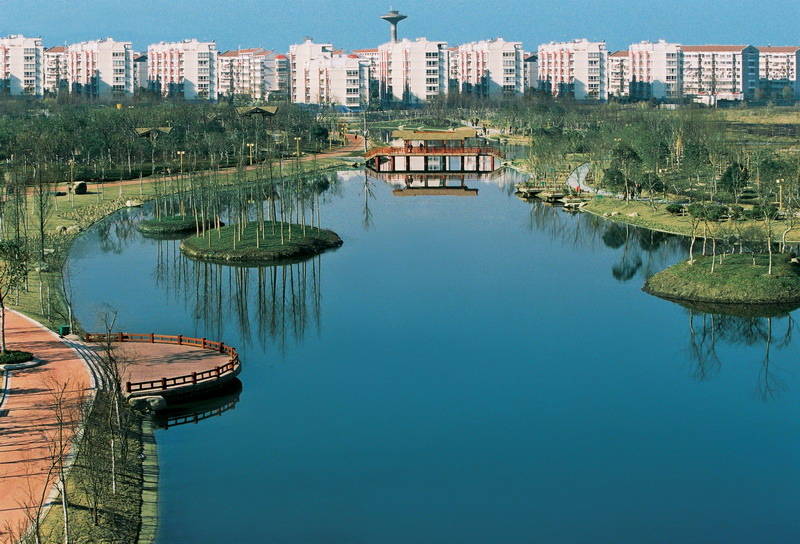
275, 243
736, 281
174, 224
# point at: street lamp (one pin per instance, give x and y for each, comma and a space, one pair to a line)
297, 143
251, 153
780, 193
180, 154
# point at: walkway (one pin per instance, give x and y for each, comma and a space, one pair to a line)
27, 419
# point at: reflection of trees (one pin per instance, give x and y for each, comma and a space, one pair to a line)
116, 232
643, 252
707, 331
267, 302
368, 194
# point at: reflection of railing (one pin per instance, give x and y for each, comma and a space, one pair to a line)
199, 416
427, 150
162, 384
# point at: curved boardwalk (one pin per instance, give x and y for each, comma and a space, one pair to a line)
157, 364
27, 418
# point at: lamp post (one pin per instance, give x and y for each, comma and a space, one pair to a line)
250, 146
180, 154
780, 193
297, 143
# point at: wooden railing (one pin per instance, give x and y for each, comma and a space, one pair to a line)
164, 383
428, 150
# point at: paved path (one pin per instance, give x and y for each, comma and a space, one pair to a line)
27, 420
156, 361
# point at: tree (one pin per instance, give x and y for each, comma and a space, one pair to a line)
13, 273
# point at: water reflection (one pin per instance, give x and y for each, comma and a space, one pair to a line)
267, 302
117, 234
197, 411
708, 332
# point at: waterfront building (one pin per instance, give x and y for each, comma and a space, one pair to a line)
618, 77
438, 152
21, 66
720, 72
100, 68
654, 70
411, 72
187, 69
55, 69
489, 67
576, 69
249, 72
777, 71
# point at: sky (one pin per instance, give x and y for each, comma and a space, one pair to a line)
355, 24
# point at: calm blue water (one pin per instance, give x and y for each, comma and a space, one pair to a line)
465, 370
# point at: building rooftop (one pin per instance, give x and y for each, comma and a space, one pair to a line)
778, 49
712, 48
623, 53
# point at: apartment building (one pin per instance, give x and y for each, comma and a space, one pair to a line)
100, 68
139, 71
489, 67
411, 72
21, 66
337, 80
186, 69
55, 69
576, 69
531, 69
655, 70
299, 57
250, 72
777, 71
720, 72
618, 77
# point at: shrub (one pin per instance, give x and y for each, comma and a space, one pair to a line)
715, 213
674, 209
735, 212
13, 356
697, 210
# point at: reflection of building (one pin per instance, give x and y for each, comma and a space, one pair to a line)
489, 67
576, 69
778, 71
720, 72
21, 61
186, 69
457, 150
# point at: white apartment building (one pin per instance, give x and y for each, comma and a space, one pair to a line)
299, 57
654, 70
249, 72
777, 70
55, 69
720, 72
100, 68
531, 71
336, 80
187, 69
618, 77
489, 67
411, 72
576, 69
370, 55
21, 66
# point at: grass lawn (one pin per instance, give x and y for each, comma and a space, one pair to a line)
735, 281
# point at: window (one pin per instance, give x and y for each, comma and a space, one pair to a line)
431, 54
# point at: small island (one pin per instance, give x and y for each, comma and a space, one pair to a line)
741, 279
272, 243
171, 225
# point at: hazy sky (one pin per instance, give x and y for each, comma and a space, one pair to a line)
355, 23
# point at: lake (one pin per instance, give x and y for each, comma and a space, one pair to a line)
465, 370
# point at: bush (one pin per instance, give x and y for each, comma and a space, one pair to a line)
760, 212
697, 210
715, 213
735, 212
14, 356
675, 209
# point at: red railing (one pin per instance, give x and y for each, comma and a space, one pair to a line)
164, 383
428, 150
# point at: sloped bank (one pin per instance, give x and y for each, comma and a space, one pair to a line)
275, 243
735, 283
